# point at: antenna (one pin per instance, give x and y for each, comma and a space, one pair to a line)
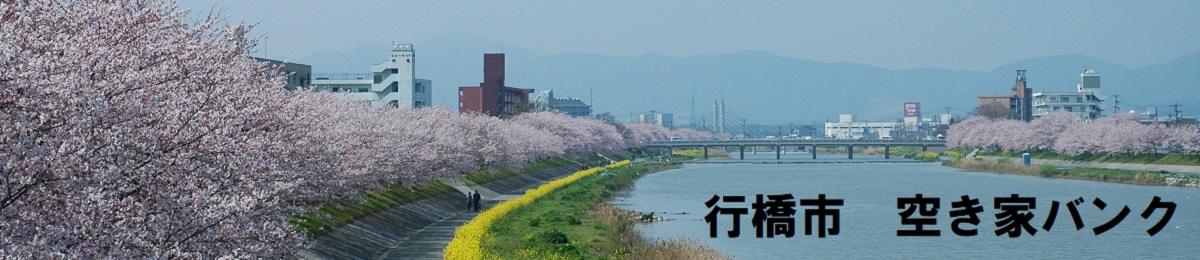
501, 44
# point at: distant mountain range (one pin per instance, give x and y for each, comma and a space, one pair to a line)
765, 88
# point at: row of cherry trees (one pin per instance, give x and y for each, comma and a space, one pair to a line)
1063, 133
128, 132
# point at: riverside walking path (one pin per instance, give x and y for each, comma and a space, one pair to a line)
428, 242
422, 229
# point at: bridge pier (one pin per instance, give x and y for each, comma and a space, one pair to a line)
850, 151
924, 148
741, 152
777, 149
670, 152
705, 152
813, 151
887, 152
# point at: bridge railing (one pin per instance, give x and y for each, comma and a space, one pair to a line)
797, 142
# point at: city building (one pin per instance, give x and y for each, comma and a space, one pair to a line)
1086, 102
574, 107
808, 131
492, 97
847, 128
1019, 103
298, 75
945, 119
391, 83
658, 118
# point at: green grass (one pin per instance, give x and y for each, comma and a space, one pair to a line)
1098, 174
690, 154
329, 217
570, 223
1163, 159
895, 151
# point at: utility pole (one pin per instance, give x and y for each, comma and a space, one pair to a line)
1116, 104
692, 121
1176, 105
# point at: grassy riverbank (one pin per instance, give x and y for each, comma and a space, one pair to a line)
340, 214
311, 224
575, 222
1163, 159
1096, 174
684, 155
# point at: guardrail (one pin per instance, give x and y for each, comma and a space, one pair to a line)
769, 142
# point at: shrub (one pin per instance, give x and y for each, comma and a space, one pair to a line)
927, 156
953, 154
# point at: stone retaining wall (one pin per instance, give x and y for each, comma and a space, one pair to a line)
368, 237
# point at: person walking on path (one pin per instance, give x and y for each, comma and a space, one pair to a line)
470, 201
476, 198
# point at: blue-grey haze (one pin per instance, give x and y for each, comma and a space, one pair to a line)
773, 62
766, 88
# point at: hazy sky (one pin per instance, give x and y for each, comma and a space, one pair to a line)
956, 35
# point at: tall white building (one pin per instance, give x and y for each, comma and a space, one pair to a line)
658, 118
1086, 102
391, 83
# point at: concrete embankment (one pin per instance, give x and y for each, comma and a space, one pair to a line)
372, 236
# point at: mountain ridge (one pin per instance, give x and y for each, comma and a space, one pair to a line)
764, 87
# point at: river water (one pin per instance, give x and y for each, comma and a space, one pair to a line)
870, 218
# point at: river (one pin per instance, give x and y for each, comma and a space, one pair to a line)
870, 218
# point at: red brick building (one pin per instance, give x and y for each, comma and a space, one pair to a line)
1019, 103
492, 97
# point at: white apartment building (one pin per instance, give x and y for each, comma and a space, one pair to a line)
1086, 102
391, 83
658, 118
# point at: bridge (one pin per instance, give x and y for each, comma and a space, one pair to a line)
778, 144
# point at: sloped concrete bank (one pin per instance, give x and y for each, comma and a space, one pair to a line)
367, 238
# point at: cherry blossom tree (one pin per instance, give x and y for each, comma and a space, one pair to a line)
580, 136
644, 133
127, 132
1063, 133
1186, 138
1045, 129
968, 133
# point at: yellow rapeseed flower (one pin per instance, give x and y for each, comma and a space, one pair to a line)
468, 237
